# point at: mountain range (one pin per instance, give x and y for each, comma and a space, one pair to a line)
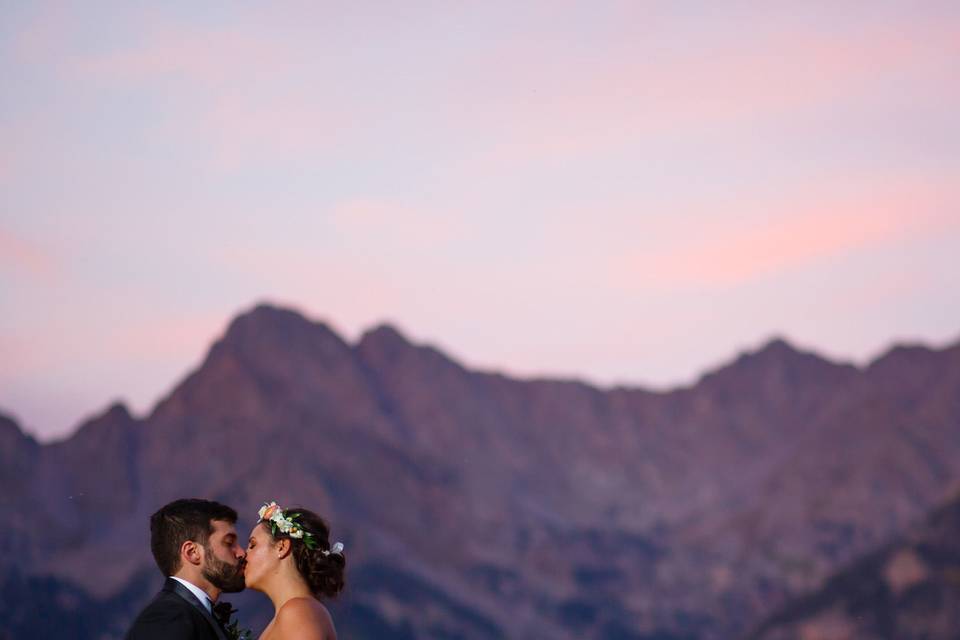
477, 505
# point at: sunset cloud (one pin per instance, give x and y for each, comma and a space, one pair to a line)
761, 239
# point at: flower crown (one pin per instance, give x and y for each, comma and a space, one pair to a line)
284, 522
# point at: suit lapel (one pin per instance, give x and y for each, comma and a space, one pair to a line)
177, 588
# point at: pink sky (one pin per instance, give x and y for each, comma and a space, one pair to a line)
622, 194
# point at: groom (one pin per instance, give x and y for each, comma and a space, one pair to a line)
196, 547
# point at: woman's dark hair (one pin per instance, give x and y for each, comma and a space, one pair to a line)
324, 573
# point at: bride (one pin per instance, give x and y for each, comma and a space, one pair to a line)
290, 559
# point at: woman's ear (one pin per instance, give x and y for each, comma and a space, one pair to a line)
283, 548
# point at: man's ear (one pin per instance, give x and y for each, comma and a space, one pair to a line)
191, 553
283, 548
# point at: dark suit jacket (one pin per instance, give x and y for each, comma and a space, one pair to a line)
175, 614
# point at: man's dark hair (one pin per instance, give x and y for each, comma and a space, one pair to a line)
182, 520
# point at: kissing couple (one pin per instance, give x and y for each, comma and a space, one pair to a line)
288, 557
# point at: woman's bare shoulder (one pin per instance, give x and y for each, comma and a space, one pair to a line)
305, 618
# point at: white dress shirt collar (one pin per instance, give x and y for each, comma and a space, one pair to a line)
197, 591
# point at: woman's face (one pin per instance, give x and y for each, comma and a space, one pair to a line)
261, 557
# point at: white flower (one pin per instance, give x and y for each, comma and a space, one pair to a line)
270, 511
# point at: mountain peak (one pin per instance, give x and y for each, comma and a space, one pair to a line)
266, 331
778, 345
385, 348
269, 318
780, 359
910, 368
384, 336
116, 418
779, 351
265, 349
904, 354
118, 411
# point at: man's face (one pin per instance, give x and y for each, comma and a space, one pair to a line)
224, 558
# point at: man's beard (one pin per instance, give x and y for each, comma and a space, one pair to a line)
223, 575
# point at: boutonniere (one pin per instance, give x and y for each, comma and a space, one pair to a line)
222, 612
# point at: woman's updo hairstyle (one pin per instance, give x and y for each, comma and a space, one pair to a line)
322, 570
